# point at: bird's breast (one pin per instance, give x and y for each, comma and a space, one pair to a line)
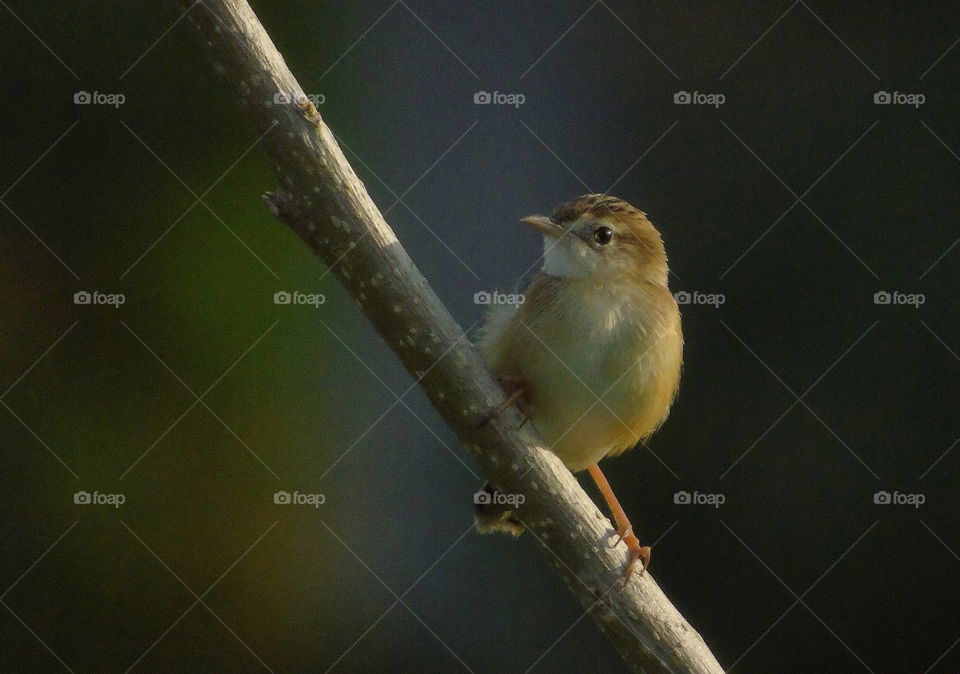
601, 364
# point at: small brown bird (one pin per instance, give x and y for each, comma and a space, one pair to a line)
593, 353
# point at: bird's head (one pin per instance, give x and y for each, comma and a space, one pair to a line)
601, 237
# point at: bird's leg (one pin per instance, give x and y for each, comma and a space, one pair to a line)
516, 390
624, 528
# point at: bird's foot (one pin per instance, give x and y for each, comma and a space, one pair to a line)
637, 552
624, 528
516, 389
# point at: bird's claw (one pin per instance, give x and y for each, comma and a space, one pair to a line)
516, 390
623, 533
637, 552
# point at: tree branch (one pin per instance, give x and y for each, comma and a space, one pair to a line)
322, 199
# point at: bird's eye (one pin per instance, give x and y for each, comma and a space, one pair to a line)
603, 235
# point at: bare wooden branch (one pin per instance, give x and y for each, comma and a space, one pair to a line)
322, 199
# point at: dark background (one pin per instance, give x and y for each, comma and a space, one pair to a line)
799, 569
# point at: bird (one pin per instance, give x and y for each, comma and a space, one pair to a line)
593, 354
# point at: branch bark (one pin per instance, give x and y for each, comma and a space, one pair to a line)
322, 199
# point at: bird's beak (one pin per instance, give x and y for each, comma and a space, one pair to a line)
544, 225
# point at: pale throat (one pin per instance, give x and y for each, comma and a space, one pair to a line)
567, 257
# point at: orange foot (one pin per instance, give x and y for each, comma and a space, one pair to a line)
624, 528
516, 389
637, 552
